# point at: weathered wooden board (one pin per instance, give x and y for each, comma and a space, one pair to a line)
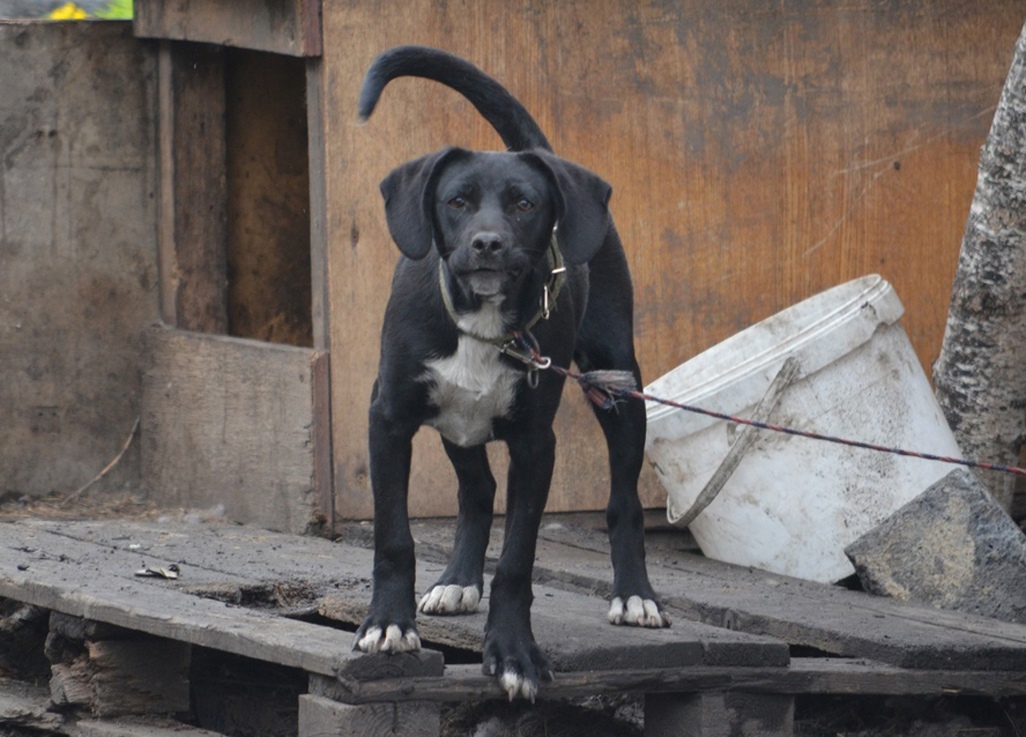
802, 676
193, 188
290, 27
78, 268
834, 619
571, 627
572, 558
573, 632
148, 727
828, 618
98, 582
759, 152
238, 423
142, 675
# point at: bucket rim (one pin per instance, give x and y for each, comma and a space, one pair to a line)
851, 298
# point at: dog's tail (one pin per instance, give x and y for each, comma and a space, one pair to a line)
514, 124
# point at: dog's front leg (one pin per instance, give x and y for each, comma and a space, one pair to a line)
510, 652
459, 589
389, 626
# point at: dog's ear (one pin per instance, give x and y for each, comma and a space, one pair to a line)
583, 218
409, 193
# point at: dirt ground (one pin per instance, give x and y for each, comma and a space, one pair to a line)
600, 717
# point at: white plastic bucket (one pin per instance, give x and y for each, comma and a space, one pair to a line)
793, 503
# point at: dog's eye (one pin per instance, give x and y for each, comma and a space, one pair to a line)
458, 202
525, 205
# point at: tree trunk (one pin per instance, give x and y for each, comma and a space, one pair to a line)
980, 375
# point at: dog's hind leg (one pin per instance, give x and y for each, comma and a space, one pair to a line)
459, 589
605, 341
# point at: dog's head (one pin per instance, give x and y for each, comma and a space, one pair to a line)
491, 214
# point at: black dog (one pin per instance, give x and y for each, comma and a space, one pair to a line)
511, 260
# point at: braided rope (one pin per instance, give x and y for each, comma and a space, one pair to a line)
604, 393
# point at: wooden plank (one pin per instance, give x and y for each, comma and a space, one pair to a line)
828, 618
842, 622
97, 582
291, 27
570, 627
78, 262
573, 556
833, 619
758, 154
141, 727
317, 96
193, 188
234, 422
802, 676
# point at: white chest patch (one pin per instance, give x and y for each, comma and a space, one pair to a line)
472, 387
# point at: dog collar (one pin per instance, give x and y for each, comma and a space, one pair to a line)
550, 293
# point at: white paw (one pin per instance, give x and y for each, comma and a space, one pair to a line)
637, 612
516, 685
390, 640
451, 599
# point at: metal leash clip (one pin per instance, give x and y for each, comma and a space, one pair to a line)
527, 357
524, 348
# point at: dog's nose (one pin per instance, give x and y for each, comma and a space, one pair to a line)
487, 243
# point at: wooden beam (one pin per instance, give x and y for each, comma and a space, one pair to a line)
193, 191
291, 27
316, 109
119, 677
802, 676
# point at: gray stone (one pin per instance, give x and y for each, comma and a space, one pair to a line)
952, 547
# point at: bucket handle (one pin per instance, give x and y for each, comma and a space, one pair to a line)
784, 378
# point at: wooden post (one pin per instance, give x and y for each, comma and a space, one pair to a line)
193, 190
115, 672
719, 714
321, 717
322, 713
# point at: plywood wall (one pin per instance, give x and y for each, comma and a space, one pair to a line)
759, 152
78, 267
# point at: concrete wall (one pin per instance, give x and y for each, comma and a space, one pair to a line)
78, 271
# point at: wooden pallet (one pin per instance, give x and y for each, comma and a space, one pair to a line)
247, 592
